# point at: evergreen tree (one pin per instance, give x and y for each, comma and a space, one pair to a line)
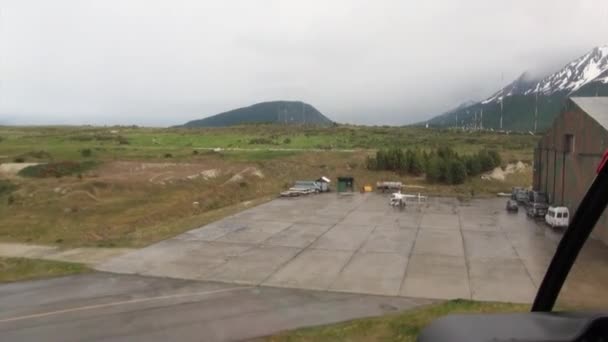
456, 173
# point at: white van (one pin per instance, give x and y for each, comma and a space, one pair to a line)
558, 217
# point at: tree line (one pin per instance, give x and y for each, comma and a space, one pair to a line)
441, 165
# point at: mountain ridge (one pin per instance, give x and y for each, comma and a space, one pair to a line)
530, 104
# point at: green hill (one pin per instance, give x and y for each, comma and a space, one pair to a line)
281, 112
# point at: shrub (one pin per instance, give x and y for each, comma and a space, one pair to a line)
473, 165
286, 141
195, 152
495, 157
262, 141
433, 171
82, 137
441, 165
486, 162
414, 162
168, 155
19, 160
456, 172
370, 163
122, 140
6, 187
86, 152
39, 154
443, 170
392, 159
446, 152
58, 169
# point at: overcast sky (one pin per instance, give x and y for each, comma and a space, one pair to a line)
160, 63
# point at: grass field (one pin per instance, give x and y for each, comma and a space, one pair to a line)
18, 269
395, 327
124, 142
142, 185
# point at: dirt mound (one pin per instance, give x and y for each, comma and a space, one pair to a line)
248, 171
500, 174
11, 169
157, 173
206, 175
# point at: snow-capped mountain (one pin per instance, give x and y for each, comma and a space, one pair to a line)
576, 73
602, 78
570, 78
521, 85
529, 102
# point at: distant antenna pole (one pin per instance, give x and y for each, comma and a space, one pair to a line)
535, 112
456, 120
502, 98
284, 110
481, 119
501, 113
475, 121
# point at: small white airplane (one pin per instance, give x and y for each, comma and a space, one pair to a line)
399, 200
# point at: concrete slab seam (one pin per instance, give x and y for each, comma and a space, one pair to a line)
467, 265
409, 256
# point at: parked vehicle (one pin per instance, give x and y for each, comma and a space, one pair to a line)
515, 190
307, 187
558, 217
521, 195
537, 205
512, 206
389, 186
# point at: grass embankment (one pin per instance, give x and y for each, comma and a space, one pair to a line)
18, 269
394, 327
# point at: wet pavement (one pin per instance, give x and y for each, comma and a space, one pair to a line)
111, 307
441, 249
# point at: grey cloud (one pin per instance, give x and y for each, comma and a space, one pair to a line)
373, 62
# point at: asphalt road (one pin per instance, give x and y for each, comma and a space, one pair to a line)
110, 307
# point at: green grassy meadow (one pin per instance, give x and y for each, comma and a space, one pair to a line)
134, 142
393, 327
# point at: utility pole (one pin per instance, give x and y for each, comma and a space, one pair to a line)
481, 120
502, 98
456, 120
535, 112
475, 121
501, 113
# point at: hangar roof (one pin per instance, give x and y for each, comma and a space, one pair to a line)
596, 107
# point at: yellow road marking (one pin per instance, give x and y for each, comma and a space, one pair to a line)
125, 302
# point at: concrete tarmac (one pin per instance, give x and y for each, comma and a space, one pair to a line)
443, 248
